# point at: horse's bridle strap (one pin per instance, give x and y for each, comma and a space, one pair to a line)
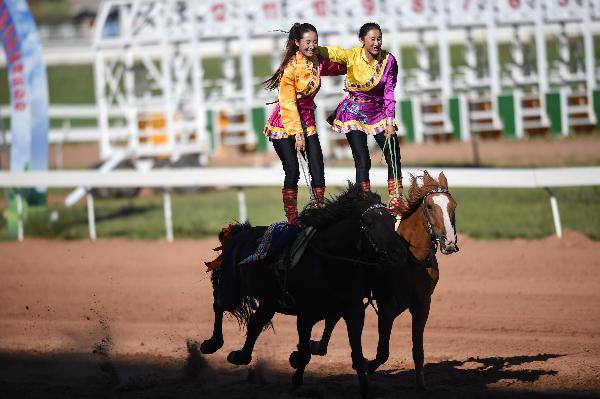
434, 239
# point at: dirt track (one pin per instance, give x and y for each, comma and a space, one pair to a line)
111, 318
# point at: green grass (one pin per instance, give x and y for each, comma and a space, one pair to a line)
484, 214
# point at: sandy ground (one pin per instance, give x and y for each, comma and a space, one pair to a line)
112, 318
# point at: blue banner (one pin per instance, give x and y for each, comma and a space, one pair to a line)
28, 87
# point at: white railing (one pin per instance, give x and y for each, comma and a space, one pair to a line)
546, 178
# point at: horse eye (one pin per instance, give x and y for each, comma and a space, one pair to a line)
429, 206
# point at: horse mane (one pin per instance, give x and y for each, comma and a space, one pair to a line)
420, 186
337, 208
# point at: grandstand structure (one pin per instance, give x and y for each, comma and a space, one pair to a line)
508, 68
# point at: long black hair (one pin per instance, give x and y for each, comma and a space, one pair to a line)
295, 33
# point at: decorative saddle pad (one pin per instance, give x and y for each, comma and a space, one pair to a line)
277, 236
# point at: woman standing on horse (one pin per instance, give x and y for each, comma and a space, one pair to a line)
292, 125
369, 108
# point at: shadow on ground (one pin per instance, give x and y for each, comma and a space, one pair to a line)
95, 375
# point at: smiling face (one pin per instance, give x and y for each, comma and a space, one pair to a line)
308, 44
372, 42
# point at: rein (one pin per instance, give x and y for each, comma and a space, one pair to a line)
342, 258
362, 226
355, 261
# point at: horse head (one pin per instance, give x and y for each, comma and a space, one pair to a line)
378, 226
438, 208
367, 220
429, 219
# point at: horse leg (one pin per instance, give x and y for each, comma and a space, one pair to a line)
215, 342
299, 359
257, 322
420, 312
385, 321
355, 320
319, 348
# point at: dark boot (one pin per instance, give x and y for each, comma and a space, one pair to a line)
290, 204
365, 186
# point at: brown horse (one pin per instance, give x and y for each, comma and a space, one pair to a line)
428, 223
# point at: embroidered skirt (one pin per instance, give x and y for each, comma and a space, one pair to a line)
274, 127
360, 113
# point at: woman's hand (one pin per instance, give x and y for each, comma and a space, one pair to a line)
300, 143
390, 131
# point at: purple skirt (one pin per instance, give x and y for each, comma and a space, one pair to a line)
360, 112
274, 127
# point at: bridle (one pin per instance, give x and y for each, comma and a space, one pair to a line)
435, 238
366, 232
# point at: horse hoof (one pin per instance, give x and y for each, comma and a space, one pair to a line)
294, 360
317, 349
297, 380
211, 346
238, 359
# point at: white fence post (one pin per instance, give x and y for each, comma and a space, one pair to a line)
168, 214
91, 215
20, 233
243, 211
555, 212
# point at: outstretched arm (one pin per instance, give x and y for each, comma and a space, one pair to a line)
389, 99
330, 68
334, 53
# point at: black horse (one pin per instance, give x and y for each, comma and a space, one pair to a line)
354, 233
428, 223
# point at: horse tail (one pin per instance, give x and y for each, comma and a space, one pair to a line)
240, 307
243, 311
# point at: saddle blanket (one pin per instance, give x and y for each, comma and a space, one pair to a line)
277, 236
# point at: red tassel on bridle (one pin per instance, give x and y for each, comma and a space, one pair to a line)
224, 237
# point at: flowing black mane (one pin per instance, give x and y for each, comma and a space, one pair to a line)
338, 208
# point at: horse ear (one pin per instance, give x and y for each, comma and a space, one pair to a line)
442, 180
426, 178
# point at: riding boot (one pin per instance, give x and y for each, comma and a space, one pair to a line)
290, 204
396, 204
365, 186
319, 197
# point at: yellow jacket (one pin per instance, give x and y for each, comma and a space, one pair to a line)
300, 81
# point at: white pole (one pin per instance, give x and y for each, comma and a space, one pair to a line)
590, 63
168, 215
91, 217
444, 56
555, 212
465, 123
167, 77
247, 77
494, 65
518, 103
198, 91
242, 205
540, 44
20, 217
